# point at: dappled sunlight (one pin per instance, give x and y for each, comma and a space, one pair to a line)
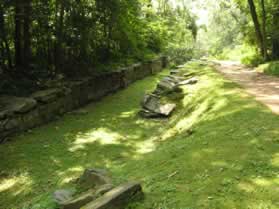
146, 146
127, 114
275, 161
102, 135
263, 182
70, 174
16, 184
7, 184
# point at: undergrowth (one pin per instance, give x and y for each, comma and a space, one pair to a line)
270, 68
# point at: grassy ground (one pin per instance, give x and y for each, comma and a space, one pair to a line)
230, 161
270, 68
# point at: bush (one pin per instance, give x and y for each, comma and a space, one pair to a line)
253, 60
270, 68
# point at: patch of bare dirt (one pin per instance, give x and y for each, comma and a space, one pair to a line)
264, 88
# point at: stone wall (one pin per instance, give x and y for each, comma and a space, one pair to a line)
22, 113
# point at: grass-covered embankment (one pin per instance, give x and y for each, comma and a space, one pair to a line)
269, 68
230, 160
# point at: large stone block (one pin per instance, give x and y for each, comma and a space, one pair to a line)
10, 105
31, 119
13, 124
147, 68
156, 65
165, 61
128, 75
48, 95
117, 198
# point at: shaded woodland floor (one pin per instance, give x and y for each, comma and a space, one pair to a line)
231, 159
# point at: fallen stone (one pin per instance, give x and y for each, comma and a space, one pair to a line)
80, 201
46, 96
190, 81
11, 104
4, 114
12, 123
150, 102
152, 108
103, 189
92, 178
148, 114
187, 75
174, 72
175, 78
84, 198
180, 66
166, 85
117, 198
79, 112
167, 109
63, 195
66, 200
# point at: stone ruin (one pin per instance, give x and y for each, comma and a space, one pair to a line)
96, 191
18, 114
152, 104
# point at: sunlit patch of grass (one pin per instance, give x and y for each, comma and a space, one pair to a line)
218, 150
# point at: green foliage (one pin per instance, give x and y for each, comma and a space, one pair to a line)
223, 30
270, 68
252, 60
229, 161
230, 25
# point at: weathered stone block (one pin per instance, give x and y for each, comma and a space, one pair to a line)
13, 124
128, 75
92, 178
81, 200
164, 61
31, 119
117, 198
86, 197
147, 68
46, 96
11, 104
156, 66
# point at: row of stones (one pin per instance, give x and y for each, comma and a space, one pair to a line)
22, 113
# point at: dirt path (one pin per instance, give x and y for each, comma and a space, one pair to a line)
264, 88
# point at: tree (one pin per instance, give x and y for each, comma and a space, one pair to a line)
275, 29
27, 51
4, 45
18, 42
257, 27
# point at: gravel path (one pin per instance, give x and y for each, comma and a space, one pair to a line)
264, 88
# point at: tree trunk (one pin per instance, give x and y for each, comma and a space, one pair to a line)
275, 32
257, 26
264, 30
59, 34
18, 34
3, 38
27, 34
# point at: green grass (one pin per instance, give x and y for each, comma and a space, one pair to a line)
230, 161
270, 68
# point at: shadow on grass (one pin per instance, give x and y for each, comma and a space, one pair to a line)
230, 161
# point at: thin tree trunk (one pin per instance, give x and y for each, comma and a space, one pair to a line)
59, 31
257, 26
18, 34
3, 36
275, 35
27, 34
264, 29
